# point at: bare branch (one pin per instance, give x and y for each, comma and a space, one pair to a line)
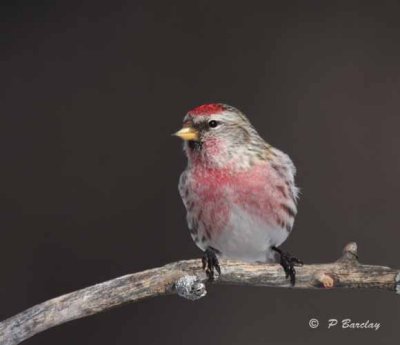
187, 279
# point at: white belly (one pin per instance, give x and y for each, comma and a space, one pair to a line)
248, 238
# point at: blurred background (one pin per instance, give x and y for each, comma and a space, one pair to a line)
92, 90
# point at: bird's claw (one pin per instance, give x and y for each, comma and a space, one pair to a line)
210, 262
288, 263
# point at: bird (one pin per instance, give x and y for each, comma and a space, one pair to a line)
239, 191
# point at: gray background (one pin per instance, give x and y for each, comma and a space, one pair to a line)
90, 92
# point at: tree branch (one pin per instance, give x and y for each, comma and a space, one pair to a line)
187, 279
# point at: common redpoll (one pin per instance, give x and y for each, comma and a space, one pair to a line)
239, 191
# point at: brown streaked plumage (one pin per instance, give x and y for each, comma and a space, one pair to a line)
239, 191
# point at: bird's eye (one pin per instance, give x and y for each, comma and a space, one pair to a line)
213, 123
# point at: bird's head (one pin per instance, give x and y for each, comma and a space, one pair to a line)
217, 135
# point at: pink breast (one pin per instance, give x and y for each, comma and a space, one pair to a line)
217, 190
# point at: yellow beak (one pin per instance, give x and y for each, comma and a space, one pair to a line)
188, 133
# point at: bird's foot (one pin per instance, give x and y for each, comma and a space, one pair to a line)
288, 262
210, 262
